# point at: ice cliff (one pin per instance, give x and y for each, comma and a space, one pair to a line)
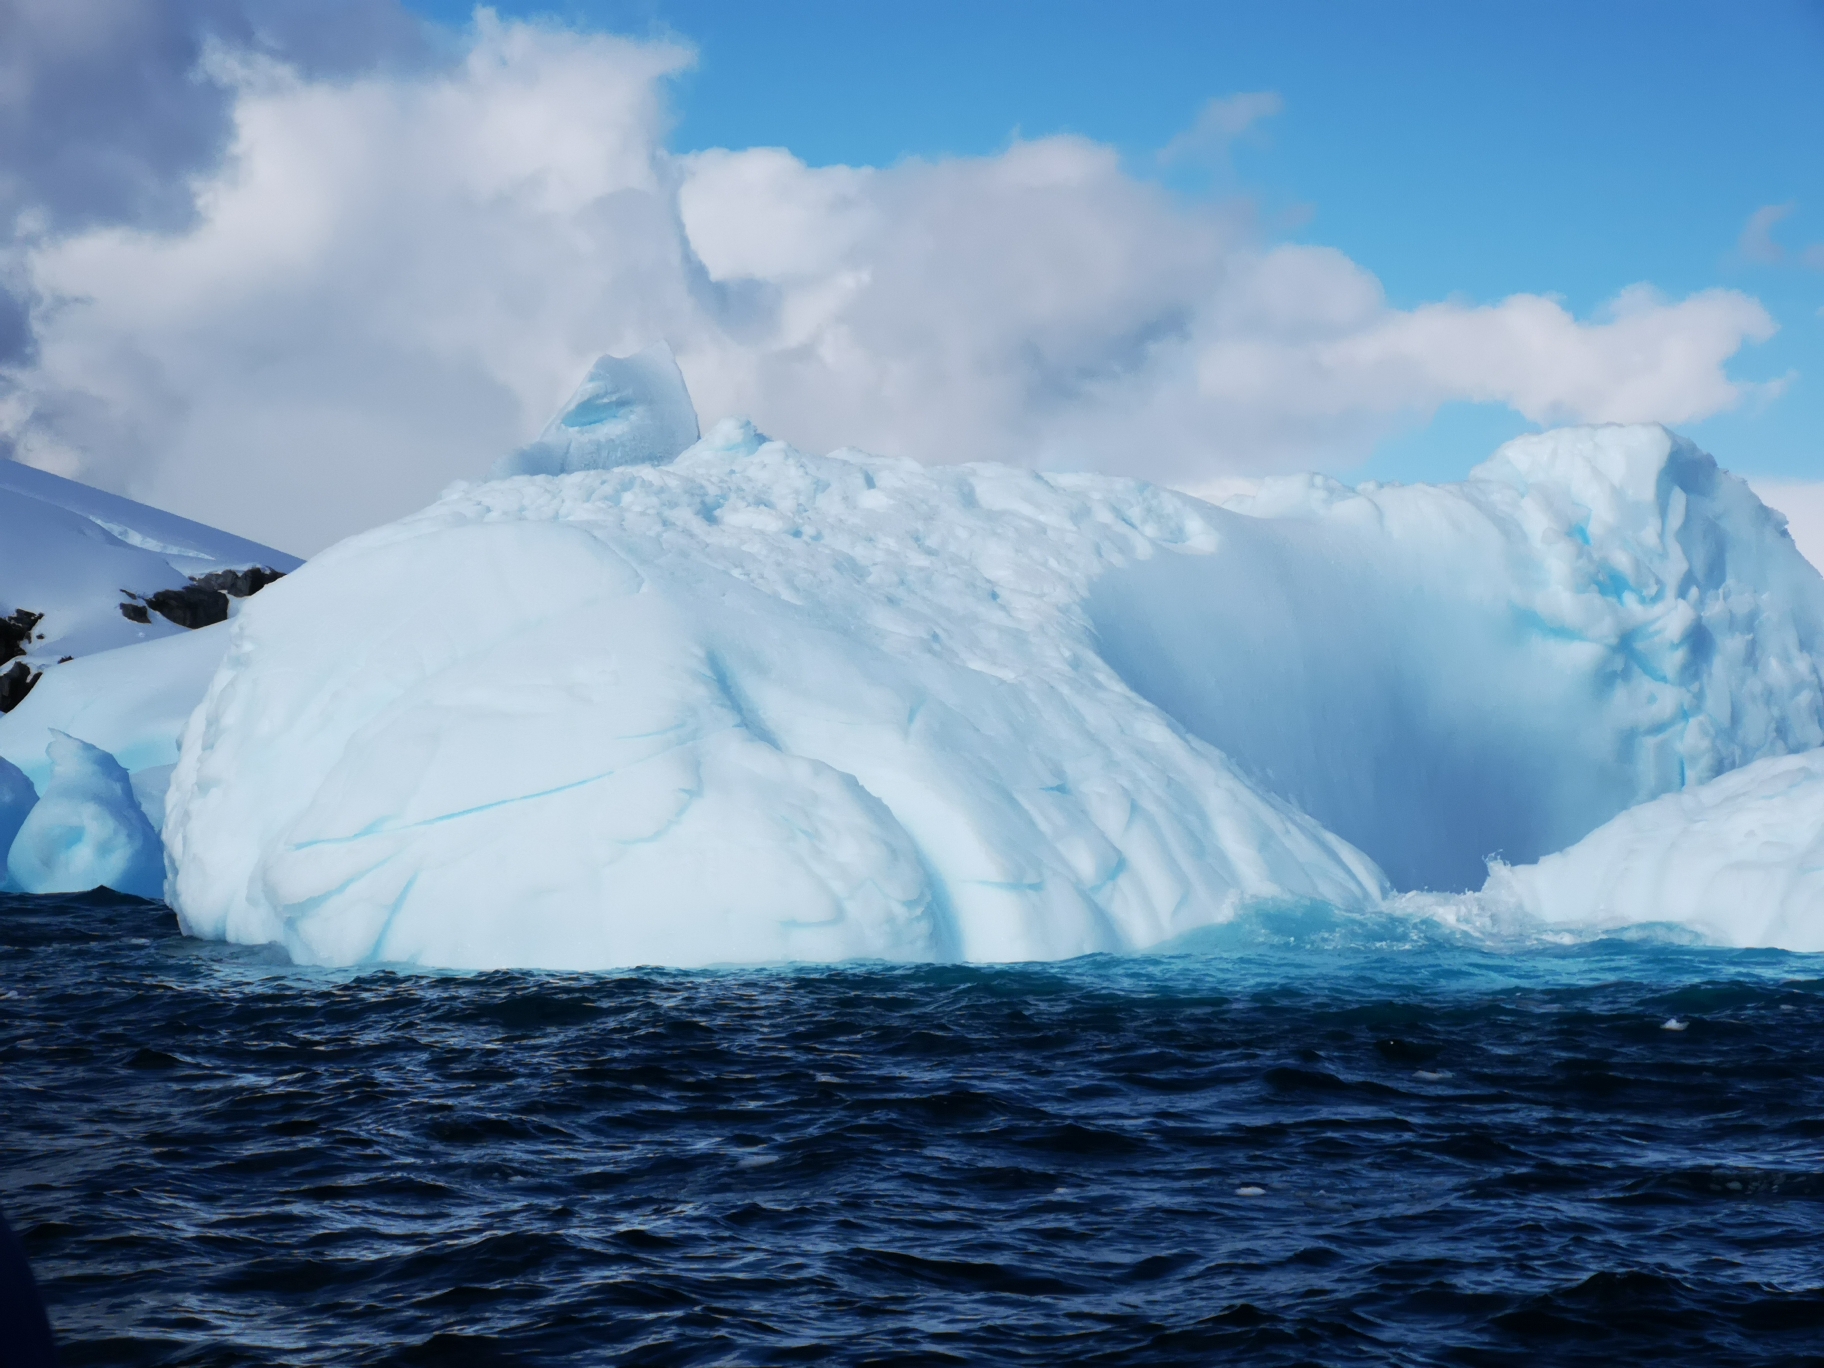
1442, 673
749, 704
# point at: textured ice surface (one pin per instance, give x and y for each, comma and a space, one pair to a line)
1739, 860
756, 705
750, 706
87, 829
630, 410
1443, 673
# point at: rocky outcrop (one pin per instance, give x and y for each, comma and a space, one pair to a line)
15, 684
239, 583
201, 602
192, 606
16, 632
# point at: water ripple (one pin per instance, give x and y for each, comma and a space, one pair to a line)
1269, 1151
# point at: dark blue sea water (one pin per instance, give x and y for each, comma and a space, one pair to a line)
1312, 1141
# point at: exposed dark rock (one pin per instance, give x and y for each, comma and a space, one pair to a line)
192, 606
239, 583
15, 631
201, 602
15, 684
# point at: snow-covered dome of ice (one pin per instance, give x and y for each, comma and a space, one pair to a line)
757, 705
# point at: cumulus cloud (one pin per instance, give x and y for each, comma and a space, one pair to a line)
392, 276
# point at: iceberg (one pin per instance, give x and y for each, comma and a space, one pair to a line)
16, 799
750, 705
86, 830
1739, 860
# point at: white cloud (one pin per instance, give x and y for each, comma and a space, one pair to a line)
395, 277
1757, 243
1219, 123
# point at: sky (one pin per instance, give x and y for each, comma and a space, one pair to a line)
290, 266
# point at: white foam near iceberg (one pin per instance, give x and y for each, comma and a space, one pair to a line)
755, 705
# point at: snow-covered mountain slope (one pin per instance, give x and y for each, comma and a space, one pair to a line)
756, 705
190, 547
72, 557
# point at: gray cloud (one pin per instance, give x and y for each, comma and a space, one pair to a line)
108, 112
101, 117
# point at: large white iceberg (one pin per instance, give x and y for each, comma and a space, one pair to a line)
755, 705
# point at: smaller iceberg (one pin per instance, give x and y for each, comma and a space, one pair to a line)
17, 797
629, 410
86, 830
1740, 860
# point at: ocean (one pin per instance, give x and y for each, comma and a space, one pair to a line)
1304, 1139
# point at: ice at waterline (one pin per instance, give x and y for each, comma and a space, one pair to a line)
739, 703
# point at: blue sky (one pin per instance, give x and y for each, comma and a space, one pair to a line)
1475, 150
